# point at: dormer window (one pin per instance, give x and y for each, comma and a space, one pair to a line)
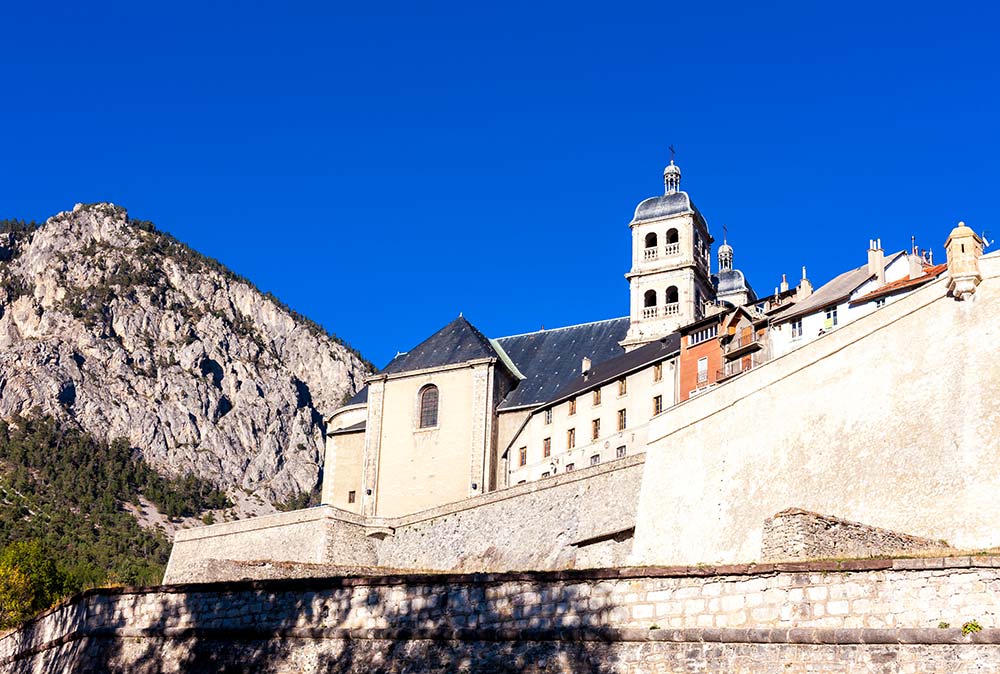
429, 406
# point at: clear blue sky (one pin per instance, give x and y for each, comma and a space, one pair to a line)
382, 167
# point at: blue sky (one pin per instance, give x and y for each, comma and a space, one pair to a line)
382, 167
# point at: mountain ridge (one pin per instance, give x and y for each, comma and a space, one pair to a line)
127, 332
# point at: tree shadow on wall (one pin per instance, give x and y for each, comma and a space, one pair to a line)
326, 625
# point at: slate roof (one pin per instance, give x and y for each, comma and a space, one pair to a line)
353, 428
663, 206
359, 397
551, 359
833, 292
457, 342
616, 367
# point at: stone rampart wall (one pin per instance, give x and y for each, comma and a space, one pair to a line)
583, 519
890, 420
799, 534
871, 615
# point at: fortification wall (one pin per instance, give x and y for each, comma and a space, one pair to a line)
872, 615
581, 519
890, 420
315, 536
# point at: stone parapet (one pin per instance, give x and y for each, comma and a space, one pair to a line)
796, 610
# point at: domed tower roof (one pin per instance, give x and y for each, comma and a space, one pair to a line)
672, 202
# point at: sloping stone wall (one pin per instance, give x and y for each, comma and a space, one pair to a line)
871, 615
796, 534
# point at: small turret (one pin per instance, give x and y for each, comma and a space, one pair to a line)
964, 248
725, 256
672, 178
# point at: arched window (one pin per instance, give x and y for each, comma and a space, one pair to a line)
649, 299
429, 406
651, 240
671, 297
671, 236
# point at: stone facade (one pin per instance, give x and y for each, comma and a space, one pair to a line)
799, 534
866, 616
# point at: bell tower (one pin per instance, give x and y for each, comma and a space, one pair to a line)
670, 279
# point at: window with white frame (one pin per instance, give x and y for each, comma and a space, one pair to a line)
703, 335
831, 318
702, 370
797, 328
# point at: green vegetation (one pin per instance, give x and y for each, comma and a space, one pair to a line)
971, 627
61, 503
303, 499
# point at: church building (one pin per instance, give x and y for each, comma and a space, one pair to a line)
461, 414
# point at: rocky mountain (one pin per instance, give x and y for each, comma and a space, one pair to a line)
118, 328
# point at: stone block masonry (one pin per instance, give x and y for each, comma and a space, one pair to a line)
796, 534
566, 521
860, 616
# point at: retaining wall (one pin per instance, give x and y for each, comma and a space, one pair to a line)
583, 519
870, 615
890, 420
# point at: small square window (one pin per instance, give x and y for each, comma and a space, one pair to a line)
597, 396
621, 420
657, 405
572, 407
571, 438
658, 372
548, 416
352, 496
546, 448
570, 467
545, 474
622, 386
879, 303
620, 452
595, 429
595, 459
522, 456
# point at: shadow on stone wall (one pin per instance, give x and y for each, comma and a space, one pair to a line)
267, 631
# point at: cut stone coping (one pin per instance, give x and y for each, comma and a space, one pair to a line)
311, 584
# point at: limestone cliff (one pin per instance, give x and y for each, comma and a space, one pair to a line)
119, 328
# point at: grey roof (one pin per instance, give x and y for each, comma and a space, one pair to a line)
621, 365
457, 342
550, 359
353, 428
358, 398
833, 292
663, 206
731, 281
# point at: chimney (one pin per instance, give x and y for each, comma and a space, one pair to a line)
585, 366
784, 283
916, 265
876, 260
804, 289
